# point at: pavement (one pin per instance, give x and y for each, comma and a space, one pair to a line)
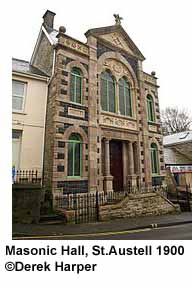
128, 224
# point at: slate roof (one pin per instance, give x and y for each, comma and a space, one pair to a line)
178, 148
177, 157
52, 34
22, 66
177, 138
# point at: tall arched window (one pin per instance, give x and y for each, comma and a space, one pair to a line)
125, 102
150, 108
76, 85
154, 159
75, 155
108, 92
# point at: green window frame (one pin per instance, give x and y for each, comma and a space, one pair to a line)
125, 98
74, 156
76, 85
108, 88
154, 159
150, 108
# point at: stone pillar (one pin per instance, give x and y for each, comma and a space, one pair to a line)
108, 179
136, 154
92, 109
145, 134
131, 158
125, 162
132, 176
107, 158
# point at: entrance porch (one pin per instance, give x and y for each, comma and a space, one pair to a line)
120, 164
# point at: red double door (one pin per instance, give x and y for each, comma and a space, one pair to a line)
116, 164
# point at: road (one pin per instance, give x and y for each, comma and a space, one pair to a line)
179, 232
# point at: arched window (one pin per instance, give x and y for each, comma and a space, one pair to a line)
150, 108
76, 85
125, 102
108, 92
74, 155
154, 159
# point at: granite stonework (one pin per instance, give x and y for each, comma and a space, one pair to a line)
150, 204
106, 48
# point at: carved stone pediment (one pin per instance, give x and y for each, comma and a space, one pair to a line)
117, 40
117, 122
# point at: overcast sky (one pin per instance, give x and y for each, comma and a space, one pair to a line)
160, 29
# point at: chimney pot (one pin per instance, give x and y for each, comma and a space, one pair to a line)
48, 18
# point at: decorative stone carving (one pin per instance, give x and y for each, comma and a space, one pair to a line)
117, 68
119, 122
75, 45
152, 128
116, 39
76, 112
149, 78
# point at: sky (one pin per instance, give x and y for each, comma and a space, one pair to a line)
160, 29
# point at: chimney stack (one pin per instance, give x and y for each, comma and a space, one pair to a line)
48, 19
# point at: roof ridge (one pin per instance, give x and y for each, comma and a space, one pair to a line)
13, 58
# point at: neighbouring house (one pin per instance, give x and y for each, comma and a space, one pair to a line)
103, 128
29, 100
178, 150
178, 156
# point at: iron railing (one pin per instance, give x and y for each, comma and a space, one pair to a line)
26, 176
86, 206
182, 196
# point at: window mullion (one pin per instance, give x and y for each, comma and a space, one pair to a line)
152, 161
80, 173
125, 100
73, 159
75, 89
130, 100
115, 104
156, 162
151, 110
107, 82
81, 90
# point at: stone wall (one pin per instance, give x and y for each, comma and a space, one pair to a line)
26, 203
150, 204
170, 181
44, 57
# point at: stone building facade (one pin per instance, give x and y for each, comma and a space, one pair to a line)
103, 122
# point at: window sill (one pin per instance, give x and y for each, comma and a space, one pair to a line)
75, 178
77, 103
118, 115
19, 112
152, 123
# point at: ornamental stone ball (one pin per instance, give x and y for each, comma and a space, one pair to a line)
153, 73
62, 29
